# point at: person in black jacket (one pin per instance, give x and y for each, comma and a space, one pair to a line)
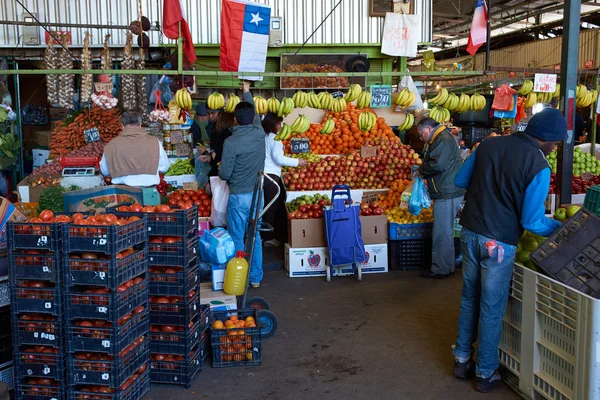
441, 162
198, 128
222, 130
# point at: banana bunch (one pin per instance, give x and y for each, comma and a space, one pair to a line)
409, 121
451, 102
530, 100
300, 125
526, 88
477, 102
366, 121
405, 98
313, 101
284, 133
353, 93
543, 97
441, 97
440, 114
326, 100
183, 99
300, 99
273, 105
581, 91
233, 101
464, 103
328, 127
588, 99
286, 107
557, 91
339, 105
261, 105
364, 99
215, 101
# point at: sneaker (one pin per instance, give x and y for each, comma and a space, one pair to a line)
464, 370
255, 285
272, 243
485, 385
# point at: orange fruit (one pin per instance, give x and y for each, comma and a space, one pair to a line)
233, 318
218, 324
250, 325
249, 356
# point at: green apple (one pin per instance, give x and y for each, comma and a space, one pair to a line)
560, 214
572, 210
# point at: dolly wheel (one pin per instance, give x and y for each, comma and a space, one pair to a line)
267, 322
359, 274
328, 274
258, 303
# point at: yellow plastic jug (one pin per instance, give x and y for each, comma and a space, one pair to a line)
236, 274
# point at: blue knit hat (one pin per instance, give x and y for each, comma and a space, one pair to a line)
201, 110
548, 125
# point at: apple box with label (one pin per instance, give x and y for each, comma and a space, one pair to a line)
306, 262
218, 275
217, 300
376, 261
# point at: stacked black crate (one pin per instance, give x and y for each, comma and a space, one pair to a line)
177, 322
107, 310
37, 311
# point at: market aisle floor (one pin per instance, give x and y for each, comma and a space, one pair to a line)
387, 337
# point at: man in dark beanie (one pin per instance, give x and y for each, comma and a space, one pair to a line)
198, 128
507, 180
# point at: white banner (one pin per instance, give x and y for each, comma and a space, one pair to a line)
400, 35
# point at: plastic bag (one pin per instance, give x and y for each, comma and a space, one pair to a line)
508, 114
201, 170
216, 246
220, 197
419, 197
163, 87
503, 98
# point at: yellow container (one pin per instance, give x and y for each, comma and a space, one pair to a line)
236, 274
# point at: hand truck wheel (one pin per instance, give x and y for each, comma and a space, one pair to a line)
258, 303
358, 273
328, 273
267, 322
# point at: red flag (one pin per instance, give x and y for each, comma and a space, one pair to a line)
172, 15
478, 34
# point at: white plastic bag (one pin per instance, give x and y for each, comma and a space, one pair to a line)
407, 82
220, 197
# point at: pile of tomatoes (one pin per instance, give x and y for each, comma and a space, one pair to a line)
41, 387
157, 241
95, 391
157, 274
39, 355
42, 323
98, 262
40, 290
183, 198
99, 296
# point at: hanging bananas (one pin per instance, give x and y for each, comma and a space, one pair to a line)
284, 133
585, 97
286, 107
328, 127
408, 123
441, 97
526, 88
440, 114
233, 101
405, 98
326, 100
543, 97
451, 102
364, 99
215, 101
366, 121
557, 91
339, 105
313, 101
300, 125
273, 105
183, 99
464, 103
477, 102
261, 105
353, 93
300, 99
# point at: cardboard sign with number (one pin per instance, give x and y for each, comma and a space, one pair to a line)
368, 151
91, 135
176, 137
182, 150
299, 145
103, 87
381, 96
545, 83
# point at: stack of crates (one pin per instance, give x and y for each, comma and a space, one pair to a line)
178, 324
38, 326
106, 307
409, 246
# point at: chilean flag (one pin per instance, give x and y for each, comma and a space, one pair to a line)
244, 36
478, 35
173, 13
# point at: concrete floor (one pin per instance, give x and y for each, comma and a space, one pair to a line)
387, 337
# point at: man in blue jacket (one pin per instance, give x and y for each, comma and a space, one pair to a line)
507, 180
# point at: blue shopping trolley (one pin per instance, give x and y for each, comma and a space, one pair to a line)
344, 232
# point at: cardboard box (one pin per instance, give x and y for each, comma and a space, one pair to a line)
58, 113
218, 300
203, 225
31, 194
8, 212
99, 198
40, 156
43, 138
218, 275
303, 233
306, 262
179, 180
374, 229
377, 261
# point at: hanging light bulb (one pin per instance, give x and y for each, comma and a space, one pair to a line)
537, 108
425, 105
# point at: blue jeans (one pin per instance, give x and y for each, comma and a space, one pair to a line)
486, 282
238, 213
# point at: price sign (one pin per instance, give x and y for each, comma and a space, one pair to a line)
381, 96
190, 186
370, 197
336, 95
544, 83
182, 150
176, 137
512, 74
368, 151
104, 87
589, 64
587, 176
91, 135
300, 145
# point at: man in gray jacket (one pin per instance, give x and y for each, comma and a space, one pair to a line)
243, 157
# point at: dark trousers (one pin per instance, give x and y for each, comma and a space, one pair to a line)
276, 215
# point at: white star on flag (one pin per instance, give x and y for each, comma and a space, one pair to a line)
255, 18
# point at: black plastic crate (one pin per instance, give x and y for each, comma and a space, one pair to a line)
83, 303
34, 236
178, 222
128, 391
165, 340
179, 311
173, 281
105, 369
26, 299
110, 272
40, 363
30, 389
204, 317
205, 345
105, 239
472, 135
233, 350
35, 267
106, 337
38, 329
409, 255
182, 252
6, 351
176, 370
571, 255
